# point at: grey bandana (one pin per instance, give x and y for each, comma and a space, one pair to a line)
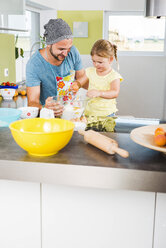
57, 30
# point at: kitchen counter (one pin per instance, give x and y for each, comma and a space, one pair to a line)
16, 102
80, 164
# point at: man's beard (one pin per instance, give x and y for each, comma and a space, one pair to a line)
56, 56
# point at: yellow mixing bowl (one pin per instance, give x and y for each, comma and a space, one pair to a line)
42, 137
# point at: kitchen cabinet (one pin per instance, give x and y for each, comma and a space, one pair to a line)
19, 214
16, 7
12, 15
160, 222
7, 50
77, 217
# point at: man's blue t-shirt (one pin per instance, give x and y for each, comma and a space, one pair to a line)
40, 72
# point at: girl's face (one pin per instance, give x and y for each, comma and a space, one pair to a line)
101, 63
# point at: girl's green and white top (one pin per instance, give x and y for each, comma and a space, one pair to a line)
99, 106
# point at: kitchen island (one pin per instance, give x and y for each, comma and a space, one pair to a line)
80, 164
82, 197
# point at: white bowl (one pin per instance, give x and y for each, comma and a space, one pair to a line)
29, 112
7, 94
79, 125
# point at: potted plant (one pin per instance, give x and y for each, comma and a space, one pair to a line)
18, 51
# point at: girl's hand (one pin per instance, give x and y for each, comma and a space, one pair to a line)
56, 106
93, 93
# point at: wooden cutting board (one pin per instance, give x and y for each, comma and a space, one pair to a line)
144, 136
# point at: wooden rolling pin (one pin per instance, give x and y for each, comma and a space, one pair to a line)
103, 142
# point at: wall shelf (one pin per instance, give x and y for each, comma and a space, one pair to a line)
14, 29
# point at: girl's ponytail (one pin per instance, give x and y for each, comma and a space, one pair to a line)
115, 54
115, 51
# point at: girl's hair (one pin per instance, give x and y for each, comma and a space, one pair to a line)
104, 48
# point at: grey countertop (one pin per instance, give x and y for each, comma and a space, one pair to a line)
80, 164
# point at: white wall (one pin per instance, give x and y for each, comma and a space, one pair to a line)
45, 15
114, 5
43, 3
142, 93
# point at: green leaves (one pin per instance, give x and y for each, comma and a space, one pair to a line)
18, 51
101, 123
42, 41
21, 52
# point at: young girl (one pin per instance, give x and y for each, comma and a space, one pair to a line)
104, 82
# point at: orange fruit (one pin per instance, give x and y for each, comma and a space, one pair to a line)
159, 131
160, 140
75, 87
16, 93
23, 92
15, 98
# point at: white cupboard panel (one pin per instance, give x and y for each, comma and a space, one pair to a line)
19, 215
160, 222
94, 218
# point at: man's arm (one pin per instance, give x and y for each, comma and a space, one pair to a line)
33, 95
82, 78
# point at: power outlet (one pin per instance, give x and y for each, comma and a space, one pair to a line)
6, 72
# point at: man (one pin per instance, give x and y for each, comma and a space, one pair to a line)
57, 59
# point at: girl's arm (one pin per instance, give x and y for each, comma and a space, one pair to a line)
107, 94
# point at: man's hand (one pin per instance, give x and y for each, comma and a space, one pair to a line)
75, 86
56, 106
93, 93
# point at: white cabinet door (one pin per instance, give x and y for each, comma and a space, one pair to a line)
94, 218
160, 222
19, 215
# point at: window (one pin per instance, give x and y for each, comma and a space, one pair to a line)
134, 32
31, 22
